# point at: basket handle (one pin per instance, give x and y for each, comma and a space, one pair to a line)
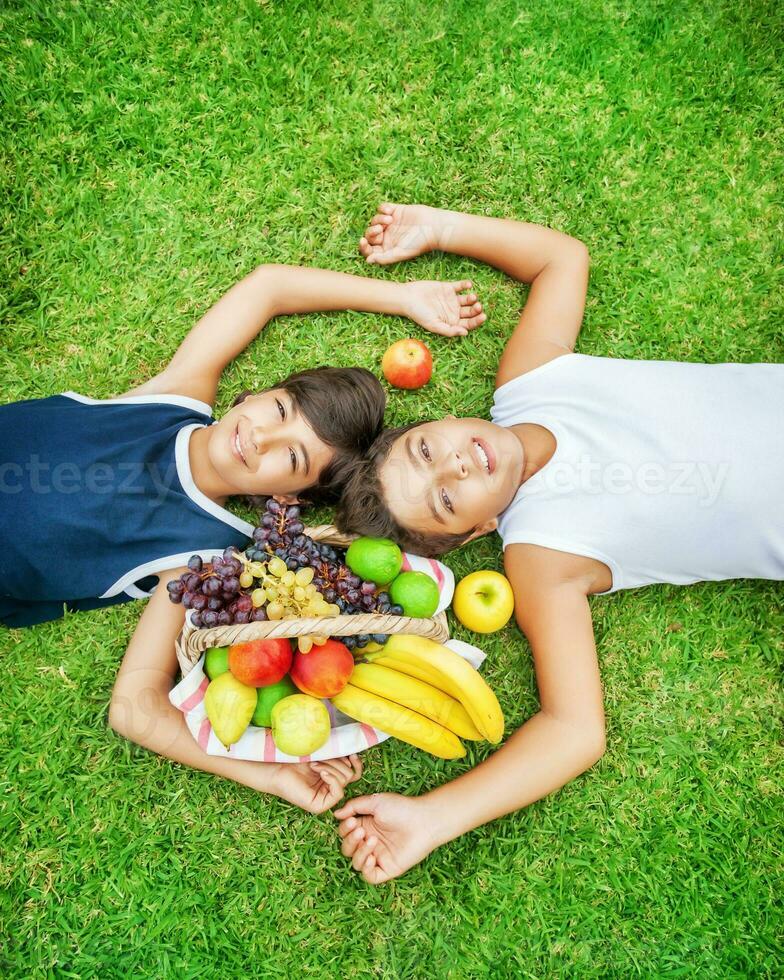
329, 534
192, 642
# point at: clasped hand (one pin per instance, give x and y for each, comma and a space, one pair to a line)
384, 834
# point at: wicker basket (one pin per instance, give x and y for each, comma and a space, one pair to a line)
192, 642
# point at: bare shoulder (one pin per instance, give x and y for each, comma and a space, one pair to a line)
536, 353
170, 382
534, 569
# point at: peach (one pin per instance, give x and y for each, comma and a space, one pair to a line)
324, 671
258, 663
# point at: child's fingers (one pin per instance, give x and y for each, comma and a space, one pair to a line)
350, 766
334, 783
382, 219
468, 299
473, 310
352, 841
367, 867
328, 773
346, 826
386, 208
362, 852
470, 323
358, 805
463, 284
449, 330
374, 874
340, 767
382, 256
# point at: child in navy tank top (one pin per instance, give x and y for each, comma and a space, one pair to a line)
126, 489
100, 496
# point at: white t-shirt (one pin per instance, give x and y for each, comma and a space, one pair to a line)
664, 471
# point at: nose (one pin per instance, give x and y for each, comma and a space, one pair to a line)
453, 465
260, 439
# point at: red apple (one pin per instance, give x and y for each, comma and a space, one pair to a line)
258, 663
407, 364
324, 671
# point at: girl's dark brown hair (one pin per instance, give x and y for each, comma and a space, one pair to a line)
345, 408
363, 509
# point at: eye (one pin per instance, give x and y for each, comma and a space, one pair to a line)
293, 458
423, 448
447, 502
281, 409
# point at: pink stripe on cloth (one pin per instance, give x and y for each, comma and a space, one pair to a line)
204, 734
370, 734
437, 572
304, 758
406, 566
197, 697
269, 746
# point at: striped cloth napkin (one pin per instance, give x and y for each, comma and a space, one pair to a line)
346, 736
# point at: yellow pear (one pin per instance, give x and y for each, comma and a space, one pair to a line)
229, 705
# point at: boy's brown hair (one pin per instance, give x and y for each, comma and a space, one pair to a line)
345, 408
363, 509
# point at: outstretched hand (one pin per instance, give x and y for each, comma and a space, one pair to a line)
398, 232
316, 786
443, 307
385, 834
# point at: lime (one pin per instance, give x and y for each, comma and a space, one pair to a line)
269, 697
216, 662
374, 559
416, 592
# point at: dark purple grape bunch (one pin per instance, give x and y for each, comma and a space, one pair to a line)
213, 592
281, 532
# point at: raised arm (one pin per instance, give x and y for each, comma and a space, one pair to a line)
237, 318
386, 834
140, 710
555, 265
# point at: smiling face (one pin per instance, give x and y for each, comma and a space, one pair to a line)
451, 476
264, 445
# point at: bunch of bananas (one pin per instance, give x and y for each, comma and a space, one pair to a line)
425, 694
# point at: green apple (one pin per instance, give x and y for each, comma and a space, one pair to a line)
300, 724
484, 601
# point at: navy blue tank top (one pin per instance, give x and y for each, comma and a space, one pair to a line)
96, 497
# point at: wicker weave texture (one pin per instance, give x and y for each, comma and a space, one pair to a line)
192, 642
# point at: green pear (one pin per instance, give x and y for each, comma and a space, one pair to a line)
229, 705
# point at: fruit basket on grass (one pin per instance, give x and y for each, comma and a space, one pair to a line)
194, 640
292, 622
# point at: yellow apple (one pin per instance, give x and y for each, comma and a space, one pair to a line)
484, 601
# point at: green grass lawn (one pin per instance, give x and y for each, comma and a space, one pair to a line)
153, 153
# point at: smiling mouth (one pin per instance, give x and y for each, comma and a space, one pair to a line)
237, 445
484, 456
